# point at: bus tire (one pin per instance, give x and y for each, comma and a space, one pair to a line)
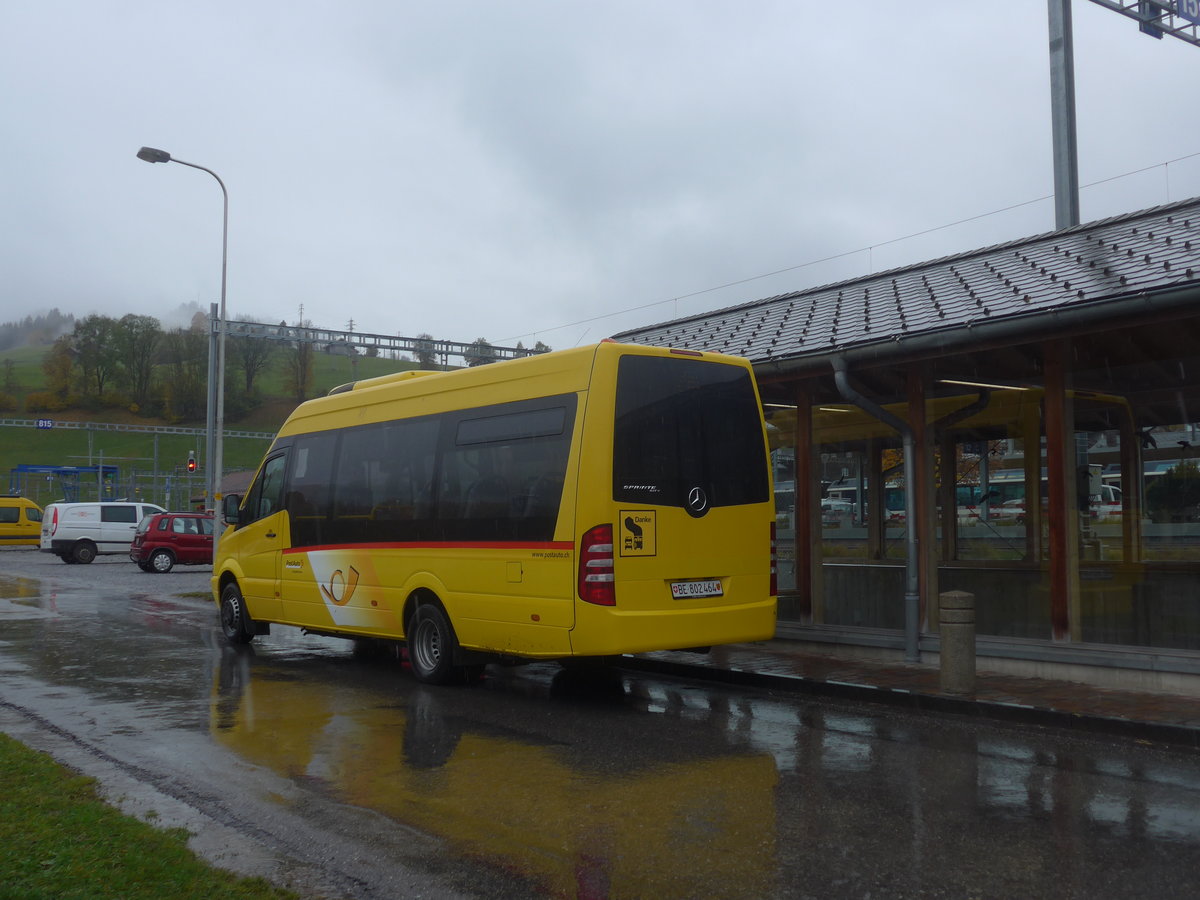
235, 621
431, 646
83, 552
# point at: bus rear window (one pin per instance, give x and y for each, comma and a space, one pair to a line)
681, 424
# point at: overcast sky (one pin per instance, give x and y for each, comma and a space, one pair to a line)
547, 169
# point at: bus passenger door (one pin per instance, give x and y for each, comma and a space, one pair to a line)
259, 540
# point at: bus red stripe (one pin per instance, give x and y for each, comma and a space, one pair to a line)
440, 545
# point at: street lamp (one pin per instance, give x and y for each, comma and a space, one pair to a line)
215, 434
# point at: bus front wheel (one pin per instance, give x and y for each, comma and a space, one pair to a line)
235, 621
431, 646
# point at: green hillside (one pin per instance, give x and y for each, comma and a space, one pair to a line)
150, 466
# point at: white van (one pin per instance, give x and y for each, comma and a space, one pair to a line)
77, 532
1105, 505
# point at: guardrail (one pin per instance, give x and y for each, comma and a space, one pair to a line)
48, 424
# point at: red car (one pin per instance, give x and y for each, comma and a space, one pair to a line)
164, 539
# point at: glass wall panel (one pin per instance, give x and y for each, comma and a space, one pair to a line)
990, 472
844, 503
862, 522
784, 473
1137, 414
1133, 509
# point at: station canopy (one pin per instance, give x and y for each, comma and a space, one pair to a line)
1127, 287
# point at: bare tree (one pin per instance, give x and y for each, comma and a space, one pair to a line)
299, 360
250, 355
424, 352
136, 340
59, 366
186, 353
480, 353
93, 341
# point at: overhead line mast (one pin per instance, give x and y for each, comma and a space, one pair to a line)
1178, 18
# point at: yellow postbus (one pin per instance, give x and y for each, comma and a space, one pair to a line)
586, 503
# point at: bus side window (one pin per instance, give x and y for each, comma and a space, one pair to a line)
266, 495
488, 498
543, 496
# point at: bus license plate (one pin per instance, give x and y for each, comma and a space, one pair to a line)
681, 590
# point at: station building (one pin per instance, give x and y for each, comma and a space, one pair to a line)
1018, 422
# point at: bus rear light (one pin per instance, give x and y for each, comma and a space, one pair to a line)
596, 575
774, 563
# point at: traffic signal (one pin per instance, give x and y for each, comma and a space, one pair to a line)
191, 463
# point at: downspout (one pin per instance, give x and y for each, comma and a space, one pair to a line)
912, 598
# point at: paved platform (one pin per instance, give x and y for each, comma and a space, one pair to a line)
789, 665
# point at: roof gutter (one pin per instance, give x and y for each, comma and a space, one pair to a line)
912, 600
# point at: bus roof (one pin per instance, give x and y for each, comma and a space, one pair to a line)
559, 372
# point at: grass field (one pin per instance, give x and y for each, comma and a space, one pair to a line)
140, 456
59, 840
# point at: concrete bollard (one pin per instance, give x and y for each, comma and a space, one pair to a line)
957, 622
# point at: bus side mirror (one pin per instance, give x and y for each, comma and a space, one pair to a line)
229, 512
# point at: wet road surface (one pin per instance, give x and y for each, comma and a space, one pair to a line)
340, 776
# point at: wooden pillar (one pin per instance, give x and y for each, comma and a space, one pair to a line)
807, 515
924, 496
1062, 508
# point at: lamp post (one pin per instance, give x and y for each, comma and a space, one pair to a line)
215, 430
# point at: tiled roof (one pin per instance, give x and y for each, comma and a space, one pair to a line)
1129, 255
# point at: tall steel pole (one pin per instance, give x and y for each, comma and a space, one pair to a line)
210, 420
1062, 112
217, 440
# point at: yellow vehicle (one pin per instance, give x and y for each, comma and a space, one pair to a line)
20, 522
597, 501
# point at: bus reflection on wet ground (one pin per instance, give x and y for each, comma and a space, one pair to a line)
633, 814
564, 780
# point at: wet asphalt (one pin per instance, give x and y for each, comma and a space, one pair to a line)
335, 773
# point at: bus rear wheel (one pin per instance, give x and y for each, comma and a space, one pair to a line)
431, 646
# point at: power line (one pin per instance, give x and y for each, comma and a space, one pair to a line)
836, 256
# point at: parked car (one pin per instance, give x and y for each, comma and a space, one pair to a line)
836, 511
78, 532
167, 539
1010, 512
20, 521
1106, 505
